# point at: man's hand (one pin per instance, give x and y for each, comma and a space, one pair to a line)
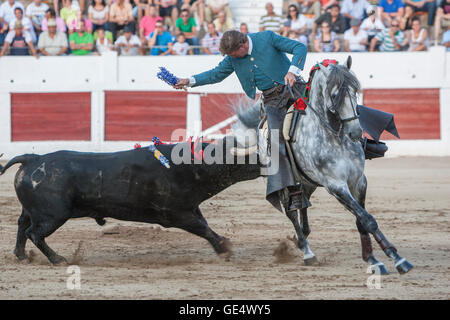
181, 84
290, 78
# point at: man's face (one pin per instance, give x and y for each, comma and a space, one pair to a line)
159, 28
18, 13
37, 2
80, 26
241, 52
269, 8
394, 26
152, 11
244, 29
334, 11
52, 29
127, 35
211, 28
355, 29
221, 16
185, 16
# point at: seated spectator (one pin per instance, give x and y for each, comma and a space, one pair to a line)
102, 43
161, 38
81, 42
211, 40
98, 14
355, 39
446, 39
120, 15
59, 4
428, 6
3, 30
243, 28
406, 20
295, 22
389, 10
302, 38
69, 13
442, 18
195, 7
7, 10
26, 23
18, 41
181, 47
326, 40
391, 39
271, 21
147, 24
52, 42
128, 43
307, 7
354, 9
36, 13
168, 9
372, 25
333, 18
417, 37
60, 24
214, 7
187, 26
223, 23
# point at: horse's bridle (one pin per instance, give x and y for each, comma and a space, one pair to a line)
333, 109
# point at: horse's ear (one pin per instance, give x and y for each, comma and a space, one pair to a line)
349, 62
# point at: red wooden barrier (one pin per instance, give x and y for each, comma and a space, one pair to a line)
416, 111
139, 116
50, 116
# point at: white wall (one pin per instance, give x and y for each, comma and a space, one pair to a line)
99, 73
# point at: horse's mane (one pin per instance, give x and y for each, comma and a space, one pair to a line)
341, 77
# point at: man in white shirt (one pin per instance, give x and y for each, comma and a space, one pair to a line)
128, 43
52, 42
355, 39
372, 24
354, 9
27, 24
36, 13
7, 10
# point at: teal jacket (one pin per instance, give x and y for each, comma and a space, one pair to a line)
268, 54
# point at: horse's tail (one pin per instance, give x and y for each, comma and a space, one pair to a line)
248, 113
23, 159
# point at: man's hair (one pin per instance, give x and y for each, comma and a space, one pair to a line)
231, 41
20, 9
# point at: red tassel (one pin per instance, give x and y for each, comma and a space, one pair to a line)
137, 146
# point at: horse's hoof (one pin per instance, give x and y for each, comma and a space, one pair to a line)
310, 261
58, 260
403, 266
379, 268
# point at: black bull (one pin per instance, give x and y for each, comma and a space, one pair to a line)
130, 185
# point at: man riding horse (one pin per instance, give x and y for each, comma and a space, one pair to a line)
259, 61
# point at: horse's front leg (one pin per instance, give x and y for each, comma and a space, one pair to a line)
359, 192
342, 194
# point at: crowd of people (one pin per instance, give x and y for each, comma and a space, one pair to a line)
186, 27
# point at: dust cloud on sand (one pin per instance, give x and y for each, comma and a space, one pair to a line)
409, 197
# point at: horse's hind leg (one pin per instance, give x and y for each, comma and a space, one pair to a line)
24, 223
366, 243
369, 224
309, 258
304, 222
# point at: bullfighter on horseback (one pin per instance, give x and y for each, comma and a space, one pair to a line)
259, 61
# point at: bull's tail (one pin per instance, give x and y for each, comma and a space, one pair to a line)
23, 159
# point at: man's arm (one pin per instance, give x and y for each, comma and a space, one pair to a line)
219, 73
297, 49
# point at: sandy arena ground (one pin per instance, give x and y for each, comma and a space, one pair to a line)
409, 197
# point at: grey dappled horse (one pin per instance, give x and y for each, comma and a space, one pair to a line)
328, 152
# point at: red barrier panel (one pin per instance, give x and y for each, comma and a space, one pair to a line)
50, 116
139, 116
416, 111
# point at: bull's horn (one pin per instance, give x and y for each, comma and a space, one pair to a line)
242, 152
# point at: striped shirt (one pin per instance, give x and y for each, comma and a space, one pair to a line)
272, 23
387, 43
212, 42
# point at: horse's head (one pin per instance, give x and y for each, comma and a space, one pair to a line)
337, 96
